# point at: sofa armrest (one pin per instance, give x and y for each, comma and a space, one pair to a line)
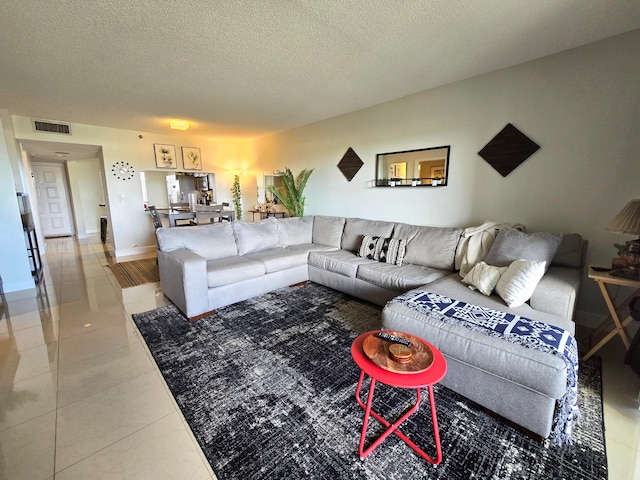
183, 279
557, 291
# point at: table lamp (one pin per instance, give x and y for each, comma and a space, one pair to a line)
628, 221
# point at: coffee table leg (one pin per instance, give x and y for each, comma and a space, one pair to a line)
365, 423
436, 431
393, 428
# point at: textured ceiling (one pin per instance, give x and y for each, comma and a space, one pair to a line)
247, 68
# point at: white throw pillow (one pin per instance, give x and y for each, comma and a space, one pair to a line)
484, 277
518, 283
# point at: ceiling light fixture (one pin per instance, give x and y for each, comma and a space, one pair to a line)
179, 124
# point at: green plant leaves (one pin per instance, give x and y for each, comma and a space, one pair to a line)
292, 198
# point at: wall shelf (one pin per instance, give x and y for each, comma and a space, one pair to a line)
409, 182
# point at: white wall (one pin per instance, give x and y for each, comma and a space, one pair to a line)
580, 106
14, 263
87, 195
131, 229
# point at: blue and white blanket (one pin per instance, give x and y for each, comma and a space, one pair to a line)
515, 329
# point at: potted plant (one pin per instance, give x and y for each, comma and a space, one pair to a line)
236, 196
292, 198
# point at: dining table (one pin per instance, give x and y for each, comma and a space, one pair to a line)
184, 214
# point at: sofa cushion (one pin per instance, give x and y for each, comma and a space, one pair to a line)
483, 277
518, 283
257, 236
383, 249
295, 231
277, 259
337, 261
223, 271
394, 277
327, 230
513, 245
356, 228
569, 252
429, 246
210, 242
557, 291
309, 247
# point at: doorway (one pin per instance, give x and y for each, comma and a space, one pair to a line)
53, 199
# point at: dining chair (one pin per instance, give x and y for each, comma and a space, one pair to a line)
181, 207
225, 217
157, 223
207, 214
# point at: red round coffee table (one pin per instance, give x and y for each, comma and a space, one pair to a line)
398, 375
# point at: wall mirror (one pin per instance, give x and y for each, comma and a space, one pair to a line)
423, 167
159, 188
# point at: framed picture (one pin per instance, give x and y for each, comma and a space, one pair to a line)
398, 170
437, 172
165, 155
191, 159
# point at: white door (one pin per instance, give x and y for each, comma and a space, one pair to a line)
53, 201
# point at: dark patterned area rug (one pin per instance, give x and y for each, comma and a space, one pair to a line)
267, 386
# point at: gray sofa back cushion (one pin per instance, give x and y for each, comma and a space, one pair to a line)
257, 236
570, 252
433, 247
295, 231
328, 230
210, 242
356, 228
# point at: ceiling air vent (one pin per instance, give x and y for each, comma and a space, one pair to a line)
52, 127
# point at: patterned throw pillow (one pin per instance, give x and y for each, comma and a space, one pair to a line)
392, 250
368, 247
388, 250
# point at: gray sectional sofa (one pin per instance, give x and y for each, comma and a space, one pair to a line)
208, 267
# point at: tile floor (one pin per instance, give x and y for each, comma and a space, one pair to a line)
80, 396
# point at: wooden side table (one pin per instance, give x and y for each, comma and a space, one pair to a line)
262, 215
603, 278
417, 381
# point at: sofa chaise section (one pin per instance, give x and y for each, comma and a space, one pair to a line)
518, 383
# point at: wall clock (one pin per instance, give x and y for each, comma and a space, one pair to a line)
122, 170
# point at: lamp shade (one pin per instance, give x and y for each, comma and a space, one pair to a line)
628, 220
